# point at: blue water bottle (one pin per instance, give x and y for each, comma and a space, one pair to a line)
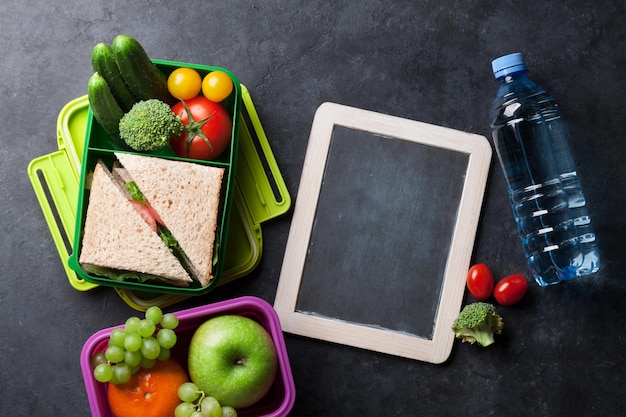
545, 193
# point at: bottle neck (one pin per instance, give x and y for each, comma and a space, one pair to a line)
509, 78
514, 87
517, 84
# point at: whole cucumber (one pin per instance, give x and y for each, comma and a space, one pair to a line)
104, 108
142, 76
103, 62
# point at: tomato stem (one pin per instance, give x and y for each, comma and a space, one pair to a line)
194, 128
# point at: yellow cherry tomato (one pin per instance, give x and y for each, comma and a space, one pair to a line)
216, 86
184, 83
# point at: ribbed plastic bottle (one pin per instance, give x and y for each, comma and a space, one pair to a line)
545, 193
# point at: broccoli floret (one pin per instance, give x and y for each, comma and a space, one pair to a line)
478, 322
149, 125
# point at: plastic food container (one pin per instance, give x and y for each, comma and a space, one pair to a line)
277, 402
98, 146
260, 195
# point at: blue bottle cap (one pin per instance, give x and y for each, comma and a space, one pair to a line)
507, 65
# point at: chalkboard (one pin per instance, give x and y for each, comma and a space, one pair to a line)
382, 233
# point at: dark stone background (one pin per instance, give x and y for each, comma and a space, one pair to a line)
562, 351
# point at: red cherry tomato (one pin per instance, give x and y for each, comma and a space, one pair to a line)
210, 126
510, 290
480, 281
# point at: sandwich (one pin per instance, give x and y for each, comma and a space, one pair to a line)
186, 196
118, 243
152, 219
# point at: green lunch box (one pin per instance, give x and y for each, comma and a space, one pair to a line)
259, 195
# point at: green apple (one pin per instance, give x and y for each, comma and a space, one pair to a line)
233, 359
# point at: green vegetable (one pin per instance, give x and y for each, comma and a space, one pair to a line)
171, 242
142, 76
135, 192
149, 125
119, 275
478, 322
104, 107
103, 62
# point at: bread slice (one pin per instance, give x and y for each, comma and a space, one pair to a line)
186, 196
116, 237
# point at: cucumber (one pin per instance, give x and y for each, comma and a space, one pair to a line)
103, 62
105, 109
142, 76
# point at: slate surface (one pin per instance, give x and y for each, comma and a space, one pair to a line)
562, 350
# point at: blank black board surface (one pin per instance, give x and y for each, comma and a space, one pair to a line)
382, 232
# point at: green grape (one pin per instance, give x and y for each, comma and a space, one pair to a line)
132, 324
150, 348
121, 373
166, 338
196, 414
117, 337
188, 392
103, 372
210, 407
132, 359
113, 379
132, 342
114, 354
154, 314
98, 358
147, 363
146, 328
228, 411
169, 321
164, 354
184, 410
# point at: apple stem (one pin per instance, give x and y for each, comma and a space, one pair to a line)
241, 361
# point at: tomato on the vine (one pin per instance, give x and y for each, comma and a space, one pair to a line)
184, 83
480, 281
216, 86
208, 128
510, 290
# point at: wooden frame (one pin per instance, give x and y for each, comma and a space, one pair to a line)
435, 349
